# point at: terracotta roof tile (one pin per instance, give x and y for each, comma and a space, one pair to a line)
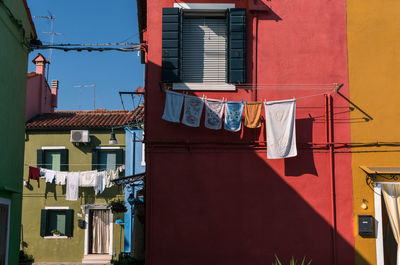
99, 118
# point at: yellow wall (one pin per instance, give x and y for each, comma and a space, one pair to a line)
80, 159
374, 64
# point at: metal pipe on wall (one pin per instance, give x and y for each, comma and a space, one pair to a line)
330, 139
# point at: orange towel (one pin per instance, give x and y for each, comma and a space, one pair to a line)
252, 115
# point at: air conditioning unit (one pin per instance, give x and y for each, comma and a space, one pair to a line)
80, 136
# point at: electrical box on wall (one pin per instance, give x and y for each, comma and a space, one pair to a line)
366, 226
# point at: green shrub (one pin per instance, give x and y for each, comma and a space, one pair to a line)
126, 259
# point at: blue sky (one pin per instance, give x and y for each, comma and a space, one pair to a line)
90, 21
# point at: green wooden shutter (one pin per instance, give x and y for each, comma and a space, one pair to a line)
40, 158
171, 27
69, 222
95, 159
64, 160
236, 20
120, 157
43, 223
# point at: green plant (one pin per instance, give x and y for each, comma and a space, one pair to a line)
117, 206
25, 258
55, 232
126, 259
292, 261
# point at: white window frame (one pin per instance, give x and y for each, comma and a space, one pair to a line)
53, 147
108, 147
203, 7
56, 208
8, 203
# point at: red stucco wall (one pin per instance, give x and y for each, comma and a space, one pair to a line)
213, 204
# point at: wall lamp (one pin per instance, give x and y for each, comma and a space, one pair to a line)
112, 140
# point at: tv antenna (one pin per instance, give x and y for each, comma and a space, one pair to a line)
80, 94
52, 33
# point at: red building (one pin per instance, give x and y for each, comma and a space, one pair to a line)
213, 197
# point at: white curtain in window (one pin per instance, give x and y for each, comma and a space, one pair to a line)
100, 231
391, 195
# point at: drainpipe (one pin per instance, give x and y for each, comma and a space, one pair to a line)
330, 141
255, 55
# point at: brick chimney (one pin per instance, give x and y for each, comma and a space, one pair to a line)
54, 94
40, 63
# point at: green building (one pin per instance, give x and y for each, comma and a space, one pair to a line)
16, 32
85, 230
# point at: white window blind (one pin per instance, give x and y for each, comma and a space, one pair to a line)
203, 50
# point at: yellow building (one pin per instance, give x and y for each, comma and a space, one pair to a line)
374, 62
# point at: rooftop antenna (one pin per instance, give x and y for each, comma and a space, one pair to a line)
51, 18
80, 93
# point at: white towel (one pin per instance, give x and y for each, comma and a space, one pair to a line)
72, 191
88, 178
214, 112
101, 183
173, 106
192, 111
60, 177
280, 120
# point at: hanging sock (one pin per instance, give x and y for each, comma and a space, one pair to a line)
192, 111
233, 116
173, 106
280, 118
214, 112
34, 173
252, 114
72, 190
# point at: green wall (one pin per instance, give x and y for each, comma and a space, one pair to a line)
36, 199
13, 69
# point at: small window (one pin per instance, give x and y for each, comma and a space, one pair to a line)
106, 159
53, 159
56, 222
204, 50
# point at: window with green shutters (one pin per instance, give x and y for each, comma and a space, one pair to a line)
53, 159
105, 159
204, 47
60, 220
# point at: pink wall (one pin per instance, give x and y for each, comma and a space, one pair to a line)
39, 97
213, 204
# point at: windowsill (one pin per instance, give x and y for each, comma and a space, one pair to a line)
55, 237
204, 86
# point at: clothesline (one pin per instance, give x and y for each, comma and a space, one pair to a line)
30, 165
99, 180
289, 86
279, 116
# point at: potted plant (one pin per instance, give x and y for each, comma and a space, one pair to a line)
55, 232
292, 261
25, 259
117, 206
